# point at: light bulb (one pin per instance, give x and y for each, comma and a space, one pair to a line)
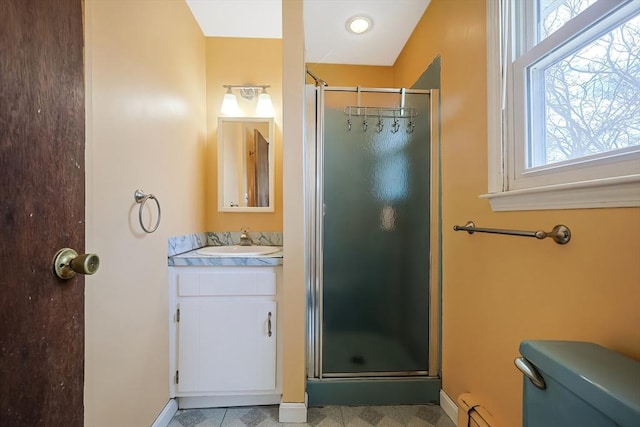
230, 105
265, 106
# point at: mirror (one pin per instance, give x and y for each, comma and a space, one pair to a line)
245, 164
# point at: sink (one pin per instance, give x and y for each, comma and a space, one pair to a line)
238, 251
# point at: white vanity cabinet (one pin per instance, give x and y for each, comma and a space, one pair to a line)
223, 335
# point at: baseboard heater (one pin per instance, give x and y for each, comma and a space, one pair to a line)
471, 413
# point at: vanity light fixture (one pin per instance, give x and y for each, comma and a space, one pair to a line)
359, 24
230, 107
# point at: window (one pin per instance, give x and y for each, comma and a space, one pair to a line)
567, 89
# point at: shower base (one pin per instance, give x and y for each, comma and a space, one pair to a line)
374, 391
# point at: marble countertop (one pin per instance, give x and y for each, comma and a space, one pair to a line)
192, 258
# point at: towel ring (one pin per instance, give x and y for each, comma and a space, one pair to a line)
142, 198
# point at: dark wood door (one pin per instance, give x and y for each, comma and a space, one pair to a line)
262, 169
252, 178
41, 211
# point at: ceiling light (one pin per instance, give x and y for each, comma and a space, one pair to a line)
359, 24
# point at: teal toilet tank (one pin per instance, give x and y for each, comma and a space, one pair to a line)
578, 384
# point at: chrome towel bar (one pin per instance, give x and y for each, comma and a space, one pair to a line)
560, 233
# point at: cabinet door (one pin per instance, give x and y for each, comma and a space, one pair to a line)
226, 346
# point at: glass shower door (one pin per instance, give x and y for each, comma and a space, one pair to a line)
375, 240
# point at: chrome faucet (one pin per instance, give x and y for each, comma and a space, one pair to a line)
245, 239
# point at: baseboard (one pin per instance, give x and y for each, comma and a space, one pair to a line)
293, 412
227, 401
449, 407
167, 414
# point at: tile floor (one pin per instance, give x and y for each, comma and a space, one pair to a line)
328, 416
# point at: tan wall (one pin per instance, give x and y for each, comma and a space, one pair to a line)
145, 85
293, 307
500, 290
352, 75
145, 100
242, 61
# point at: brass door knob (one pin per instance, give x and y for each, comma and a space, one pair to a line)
67, 263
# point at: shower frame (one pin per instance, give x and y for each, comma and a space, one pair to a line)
315, 194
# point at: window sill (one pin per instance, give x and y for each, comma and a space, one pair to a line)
602, 193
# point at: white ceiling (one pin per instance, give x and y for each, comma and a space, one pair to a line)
326, 37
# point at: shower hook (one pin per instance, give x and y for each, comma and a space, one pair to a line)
380, 125
410, 126
395, 126
365, 124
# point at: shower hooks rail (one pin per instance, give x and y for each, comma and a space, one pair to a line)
142, 198
379, 113
560, 233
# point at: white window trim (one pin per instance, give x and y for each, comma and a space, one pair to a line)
623, 191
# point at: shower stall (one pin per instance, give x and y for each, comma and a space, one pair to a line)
372, 301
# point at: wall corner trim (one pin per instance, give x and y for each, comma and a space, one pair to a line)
292, 412
167, 414
449, 406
